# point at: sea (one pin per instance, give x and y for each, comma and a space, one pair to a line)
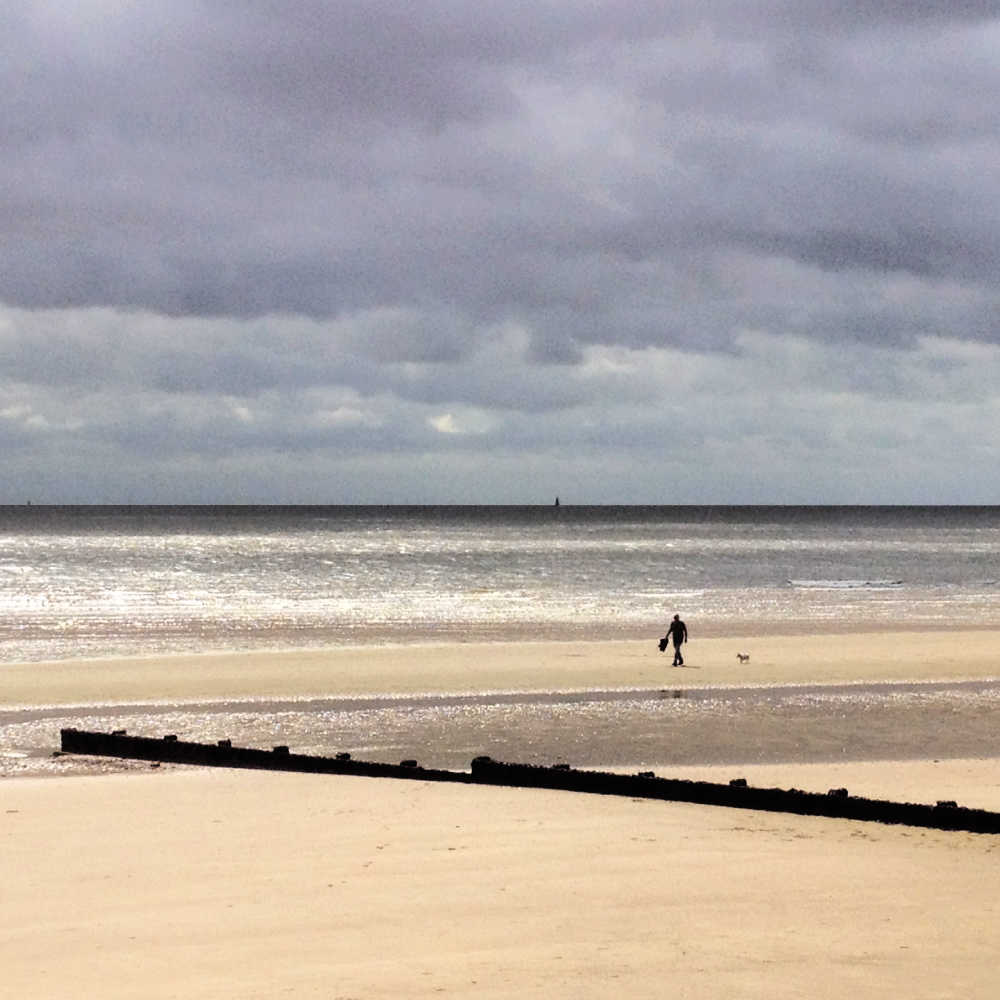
112, 581
95, 581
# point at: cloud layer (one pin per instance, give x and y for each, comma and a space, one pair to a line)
626, 252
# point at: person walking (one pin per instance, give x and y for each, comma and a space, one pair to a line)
678, 635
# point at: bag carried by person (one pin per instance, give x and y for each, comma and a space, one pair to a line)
663, 643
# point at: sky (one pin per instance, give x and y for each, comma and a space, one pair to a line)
618, 251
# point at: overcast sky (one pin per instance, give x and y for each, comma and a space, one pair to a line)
632, 251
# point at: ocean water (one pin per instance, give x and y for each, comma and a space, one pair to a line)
97, 581
78, 582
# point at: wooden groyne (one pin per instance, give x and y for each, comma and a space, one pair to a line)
837, 803
170, 750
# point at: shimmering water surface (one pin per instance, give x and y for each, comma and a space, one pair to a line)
78, 582
116, 581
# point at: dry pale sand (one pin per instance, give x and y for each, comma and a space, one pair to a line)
212, 884
237, 884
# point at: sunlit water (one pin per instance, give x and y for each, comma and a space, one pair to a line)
96, 582
93, 582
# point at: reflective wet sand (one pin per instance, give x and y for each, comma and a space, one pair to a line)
611, 728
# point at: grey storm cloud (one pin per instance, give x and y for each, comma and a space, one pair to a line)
614, 230
316, 158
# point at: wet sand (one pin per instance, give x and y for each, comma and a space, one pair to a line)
196, 883
606, 704
595, 729
525, 666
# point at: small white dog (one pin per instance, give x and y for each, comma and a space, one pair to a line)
743, 657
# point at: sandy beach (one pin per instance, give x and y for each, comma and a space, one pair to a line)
513, 666
196, 883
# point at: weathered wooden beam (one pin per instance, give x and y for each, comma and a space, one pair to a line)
835, 804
